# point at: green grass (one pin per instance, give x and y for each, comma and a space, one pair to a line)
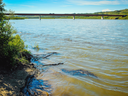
117, 12
15, 18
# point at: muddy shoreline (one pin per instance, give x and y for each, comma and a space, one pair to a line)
23, 80
12, 83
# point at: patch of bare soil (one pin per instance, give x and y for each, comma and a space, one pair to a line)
11, 82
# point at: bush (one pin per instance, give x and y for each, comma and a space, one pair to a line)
11, 46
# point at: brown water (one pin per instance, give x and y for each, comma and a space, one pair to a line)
97, 46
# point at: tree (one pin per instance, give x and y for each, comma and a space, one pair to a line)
1, 10
5, 37
11, 47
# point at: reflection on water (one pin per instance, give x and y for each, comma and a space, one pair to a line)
96, 46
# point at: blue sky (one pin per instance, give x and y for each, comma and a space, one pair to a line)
64, 6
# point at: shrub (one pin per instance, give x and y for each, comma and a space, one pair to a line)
11, 46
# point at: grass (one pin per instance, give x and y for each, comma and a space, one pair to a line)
14, 18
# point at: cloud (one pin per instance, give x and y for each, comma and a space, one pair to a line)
87, 2
124, 1
105, 10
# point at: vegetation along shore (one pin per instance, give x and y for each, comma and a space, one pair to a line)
15, 66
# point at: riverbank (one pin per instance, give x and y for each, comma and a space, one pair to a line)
13, 82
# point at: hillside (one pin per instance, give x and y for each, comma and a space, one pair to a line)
117, 12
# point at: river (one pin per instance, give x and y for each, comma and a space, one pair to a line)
99, 47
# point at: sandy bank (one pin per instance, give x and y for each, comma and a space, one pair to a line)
12, 82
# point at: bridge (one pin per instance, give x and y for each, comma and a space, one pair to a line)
52, 14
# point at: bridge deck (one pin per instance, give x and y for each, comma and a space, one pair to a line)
63, 14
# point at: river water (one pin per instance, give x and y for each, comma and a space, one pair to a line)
99, 47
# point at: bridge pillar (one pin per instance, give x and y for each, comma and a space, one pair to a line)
102, 17
74, 17
40, 17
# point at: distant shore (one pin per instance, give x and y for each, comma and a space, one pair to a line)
69, 17
116, 12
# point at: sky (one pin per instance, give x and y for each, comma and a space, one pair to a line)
64, 6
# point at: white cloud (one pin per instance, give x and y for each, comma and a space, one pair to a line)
87, 2
124, 1
105, 10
